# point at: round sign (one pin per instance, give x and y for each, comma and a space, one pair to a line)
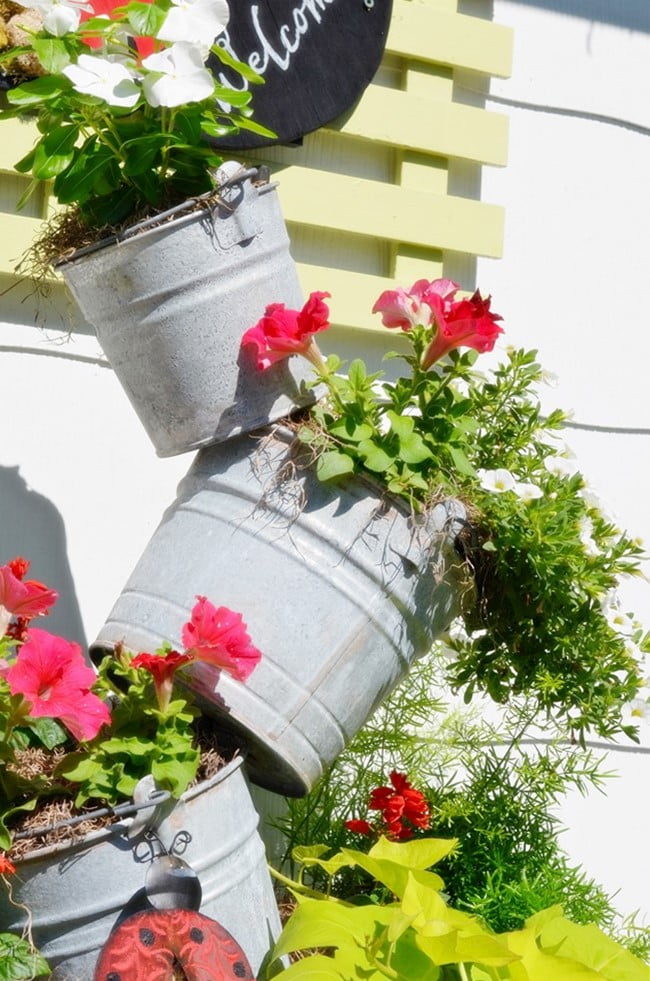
316, 57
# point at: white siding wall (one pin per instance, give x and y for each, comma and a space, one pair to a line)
572, 283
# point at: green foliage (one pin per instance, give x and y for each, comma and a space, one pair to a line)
414, 935
116, 160
19, 961
544, 562
143, 739
492, 786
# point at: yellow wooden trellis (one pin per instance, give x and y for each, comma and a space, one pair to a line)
366, 199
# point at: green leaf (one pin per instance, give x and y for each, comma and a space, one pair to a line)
318, 967
240, 66
55, 152
329, 923
19, 961
347, 428
38, 90
145, 18
248, 124
333, 464
374, 457
49, 732
590, 946
420, 853
461, 462
52, 53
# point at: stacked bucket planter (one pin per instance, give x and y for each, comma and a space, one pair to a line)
340, 587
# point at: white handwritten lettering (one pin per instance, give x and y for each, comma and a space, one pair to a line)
287, 43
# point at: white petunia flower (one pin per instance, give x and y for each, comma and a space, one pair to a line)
638, 710
527, 491
622, 622
178, 76
498, 481
195, 21
560, 466
105, 79
586, 533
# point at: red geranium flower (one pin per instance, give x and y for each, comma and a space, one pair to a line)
359, 827
53, 678
22, 599
399, 804
219, 637
283, 332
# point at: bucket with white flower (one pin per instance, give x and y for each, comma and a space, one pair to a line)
168, 251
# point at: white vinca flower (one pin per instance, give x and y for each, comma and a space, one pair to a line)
108, 80
178, 76
195, 21
59, 16
498, 481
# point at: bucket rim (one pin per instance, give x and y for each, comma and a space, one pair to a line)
195, 208
120, 828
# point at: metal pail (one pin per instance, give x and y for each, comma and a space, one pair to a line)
79, 892
170, 305
340, 587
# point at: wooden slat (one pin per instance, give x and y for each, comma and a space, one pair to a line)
17, 235
448, 129
397, 214
18, 138
433, 35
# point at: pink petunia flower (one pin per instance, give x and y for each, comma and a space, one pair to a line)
407, 308
467, 323
24, 600
163, 668
51, 675
281, 332
218, 636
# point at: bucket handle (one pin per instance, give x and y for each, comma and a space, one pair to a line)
260, 175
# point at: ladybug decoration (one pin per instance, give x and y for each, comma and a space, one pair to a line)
169, 939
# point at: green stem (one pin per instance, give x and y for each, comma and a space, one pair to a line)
299, 887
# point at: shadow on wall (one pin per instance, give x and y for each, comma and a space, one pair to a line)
31, 526
631, 14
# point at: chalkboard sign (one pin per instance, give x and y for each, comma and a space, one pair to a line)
316, 57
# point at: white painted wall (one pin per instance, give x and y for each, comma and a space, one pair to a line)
81, 489
572, 283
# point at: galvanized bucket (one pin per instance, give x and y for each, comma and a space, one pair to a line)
340, 587
170, 303
79, 892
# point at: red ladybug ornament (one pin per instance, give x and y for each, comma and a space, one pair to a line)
169, 938
151, 946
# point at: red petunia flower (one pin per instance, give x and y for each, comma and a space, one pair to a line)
469, 323
162, 667
6, 867
53, 678
281, 332
218, 636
